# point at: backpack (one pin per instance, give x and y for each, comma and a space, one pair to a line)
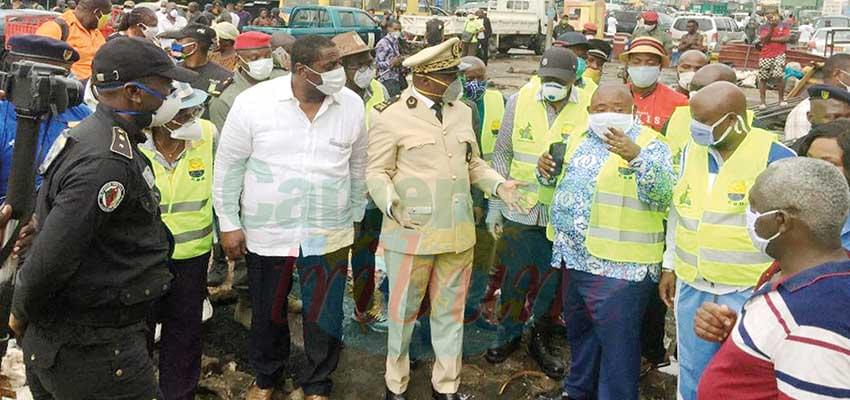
63, 26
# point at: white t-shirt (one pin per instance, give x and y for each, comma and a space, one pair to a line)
612, 25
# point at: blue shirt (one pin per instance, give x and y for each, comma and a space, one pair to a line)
571, 206
48, 131
845, 235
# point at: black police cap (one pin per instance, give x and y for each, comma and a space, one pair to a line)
125, 59
201, 33
43, 47
826, 92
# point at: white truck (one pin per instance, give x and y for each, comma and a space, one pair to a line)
516, 24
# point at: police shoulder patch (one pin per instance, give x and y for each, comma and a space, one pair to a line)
386, 103
110, 195
120, 143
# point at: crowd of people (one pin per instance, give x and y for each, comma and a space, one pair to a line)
587, 203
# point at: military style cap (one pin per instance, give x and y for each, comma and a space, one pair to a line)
559, 63
350, 43
253, 40
125, 59
599, 48
43, 47
569, 39
646, 45
826, 92
444, 57
201, 33
225, 31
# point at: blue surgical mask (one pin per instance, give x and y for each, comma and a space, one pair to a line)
644, 77
474, 89
582, 65
703, 134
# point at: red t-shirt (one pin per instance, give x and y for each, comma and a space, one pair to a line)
655, 108
773, 49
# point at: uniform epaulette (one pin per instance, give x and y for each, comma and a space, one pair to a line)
386, 103
120, 143
225, 84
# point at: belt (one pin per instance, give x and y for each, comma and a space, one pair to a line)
109, 317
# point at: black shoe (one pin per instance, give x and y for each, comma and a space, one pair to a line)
556, 394
449, 396
392, 396
498, 354
218, 270
541, 350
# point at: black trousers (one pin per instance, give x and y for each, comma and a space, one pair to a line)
322, 280
180, 312
113, 363
363, 258
484, 50
652, 329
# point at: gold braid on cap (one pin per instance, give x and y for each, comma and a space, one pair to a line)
443, 61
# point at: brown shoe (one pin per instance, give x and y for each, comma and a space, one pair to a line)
256, 393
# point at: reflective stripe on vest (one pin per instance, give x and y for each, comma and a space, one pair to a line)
379, 95
711, 234
494, 110
186, 191
621, 228
532, 134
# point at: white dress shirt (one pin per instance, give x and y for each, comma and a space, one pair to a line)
165, 25
291, 184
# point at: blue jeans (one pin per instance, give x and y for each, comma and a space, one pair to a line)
525, 253
604, 317
695, 353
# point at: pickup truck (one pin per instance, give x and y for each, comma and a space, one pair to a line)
326, 21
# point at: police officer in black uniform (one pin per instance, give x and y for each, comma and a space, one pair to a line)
100, 258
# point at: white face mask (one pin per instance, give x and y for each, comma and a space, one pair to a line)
363, 77
759, 242
332, 81
188, 131
453, 91
166, 111
600, 122
553, 91
685, 79
173, 13
150, 32
644, 77
259, 69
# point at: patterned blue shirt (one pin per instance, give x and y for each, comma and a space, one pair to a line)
574, 196
385, 51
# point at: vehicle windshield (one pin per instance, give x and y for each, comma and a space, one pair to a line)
834, 22
842, 36
704, 24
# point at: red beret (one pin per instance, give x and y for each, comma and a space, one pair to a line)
649, 16
252, 40
590, 26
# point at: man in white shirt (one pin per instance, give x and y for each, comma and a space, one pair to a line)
234, 17
612, 25
836, 72
289, 184
806, 32
170, 21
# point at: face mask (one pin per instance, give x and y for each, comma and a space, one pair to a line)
188, 131
553, 91
703, 134
759, 242
593, 74
846, 87
685, 79
474, 89
644, 77
581, 66
259, 69
178, 50
332, 81
395, 34
166, 111
102, 20
173, 13
650, 28
453, 91
600, 122
364, 76
150, 32
281, 58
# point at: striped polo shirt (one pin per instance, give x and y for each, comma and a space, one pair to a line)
792, 341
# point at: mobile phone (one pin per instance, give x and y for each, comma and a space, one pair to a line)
557, 151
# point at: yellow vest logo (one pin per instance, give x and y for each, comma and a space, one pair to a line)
494, 127
626, 172
685, 198
196, 169
737, 192
567, 129
525, 133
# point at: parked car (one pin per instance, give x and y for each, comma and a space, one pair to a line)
326, 21
835, 21
626, 21
840, 39
718, 30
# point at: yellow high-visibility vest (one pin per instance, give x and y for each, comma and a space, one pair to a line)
711, 234
532, 136
186, 204
678, 133
494, 110
379, 95
621, 227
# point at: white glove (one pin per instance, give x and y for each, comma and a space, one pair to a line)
494, 222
